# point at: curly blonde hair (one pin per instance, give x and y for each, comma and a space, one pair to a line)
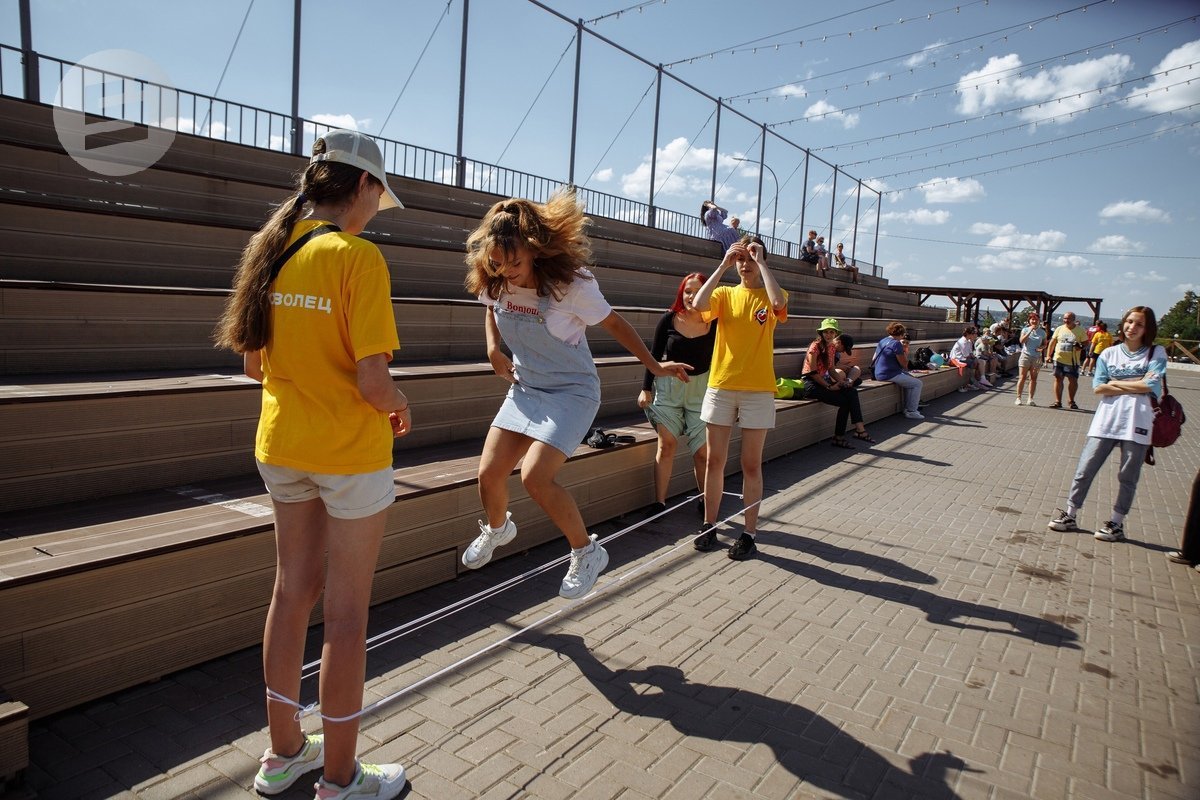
553, 231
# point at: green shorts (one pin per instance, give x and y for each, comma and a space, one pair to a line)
676, 407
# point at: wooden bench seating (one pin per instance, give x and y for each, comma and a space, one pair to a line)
106, 595
48, 328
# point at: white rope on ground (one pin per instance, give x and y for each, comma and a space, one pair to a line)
313, 709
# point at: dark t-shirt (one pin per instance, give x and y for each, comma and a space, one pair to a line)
671, 345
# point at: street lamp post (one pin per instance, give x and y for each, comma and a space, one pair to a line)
775, 202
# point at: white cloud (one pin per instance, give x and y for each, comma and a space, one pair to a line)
1134, 211
823, 109
682, 171
1018, 260
952, 190
344, 121
920, 58
1067, 262
998, 83
1181, 93
1116, 243
792, 90
909, 277
917, 216
1152, 275
1182, 288
955, 269
603, 175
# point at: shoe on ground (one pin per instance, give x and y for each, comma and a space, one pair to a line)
655, 508
479, 552
1177, 557
1062, 521
1018, 402
1111, 532
586, 565
1056, 404
913, 415
707, 539
743, 548
276, 774
1074, 406
1030, 402
373, 781
984, 382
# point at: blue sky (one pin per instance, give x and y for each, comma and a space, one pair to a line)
1020, 144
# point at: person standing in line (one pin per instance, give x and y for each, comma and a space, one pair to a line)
835, 388
741, 383
314, 324
1066, 349
673, 407
1032, 341
890, 363
713, 218
1126, 376
527, 263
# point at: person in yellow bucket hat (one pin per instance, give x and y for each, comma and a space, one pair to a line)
829, 388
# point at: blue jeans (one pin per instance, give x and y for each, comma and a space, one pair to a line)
1095, 451
911, 387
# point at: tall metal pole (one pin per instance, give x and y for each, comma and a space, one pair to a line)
297, 125
712, 192
854, 236
460, 168
29, 56
575, 103
804, 197
832, 203
654, 147
875, 253
762, 160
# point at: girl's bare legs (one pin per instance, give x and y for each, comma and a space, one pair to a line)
303, 533
501, 451
538, 470
753, 440
664, 460
717, 438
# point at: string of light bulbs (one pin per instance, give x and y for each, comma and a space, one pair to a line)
635, 7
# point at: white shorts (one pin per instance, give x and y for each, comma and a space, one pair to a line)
344, 496
748, 409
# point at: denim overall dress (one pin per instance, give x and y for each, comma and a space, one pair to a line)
557, 392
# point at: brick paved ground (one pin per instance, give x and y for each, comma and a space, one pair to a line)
909, 629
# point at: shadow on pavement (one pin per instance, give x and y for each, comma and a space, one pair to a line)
806, 744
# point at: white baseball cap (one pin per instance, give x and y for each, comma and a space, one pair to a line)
358, 150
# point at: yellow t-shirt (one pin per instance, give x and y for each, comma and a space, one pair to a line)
330, 307
1066, 339
1101, 341
744, 352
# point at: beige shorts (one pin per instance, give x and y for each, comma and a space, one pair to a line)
748, 409
344, 496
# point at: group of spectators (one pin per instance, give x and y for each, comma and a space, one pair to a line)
725, 230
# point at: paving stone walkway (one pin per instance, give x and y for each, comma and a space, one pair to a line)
910, 628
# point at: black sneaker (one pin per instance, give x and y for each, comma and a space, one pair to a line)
1111, 532
743, 548
707, 539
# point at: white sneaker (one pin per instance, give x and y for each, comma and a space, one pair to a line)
479, 552
1018, 402
586, 565
984, 382
1031, 403
963, 389
374, 781
913, 415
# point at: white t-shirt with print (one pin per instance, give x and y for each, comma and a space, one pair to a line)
567, 318
1128, 417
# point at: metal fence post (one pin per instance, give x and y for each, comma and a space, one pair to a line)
32, 81
762, 160
297, 125
712, 194
854, 236
460, 164
875, 253
804, 196
575, 102
832, 203
654, 148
